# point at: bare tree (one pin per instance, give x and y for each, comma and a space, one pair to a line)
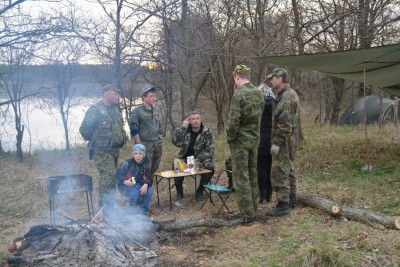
63, 66
12, 80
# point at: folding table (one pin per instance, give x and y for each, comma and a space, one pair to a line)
159, 176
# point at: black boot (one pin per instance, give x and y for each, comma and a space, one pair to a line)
281, 209
200, 197
292, 200
179, 192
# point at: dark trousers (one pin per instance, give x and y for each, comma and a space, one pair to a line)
264, 165
205, 179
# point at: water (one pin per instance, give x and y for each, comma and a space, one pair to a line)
43, 125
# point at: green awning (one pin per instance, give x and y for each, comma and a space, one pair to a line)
381, 64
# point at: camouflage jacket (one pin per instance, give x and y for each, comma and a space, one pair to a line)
243, 127
204, 145
145, 122
103, 127
286, 119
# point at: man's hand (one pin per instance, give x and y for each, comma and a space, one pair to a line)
186, 122
274, 150
143, 189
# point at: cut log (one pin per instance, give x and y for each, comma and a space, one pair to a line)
375, 220
397, 222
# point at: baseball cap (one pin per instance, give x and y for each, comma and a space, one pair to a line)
278, 72
146, 88
242, 69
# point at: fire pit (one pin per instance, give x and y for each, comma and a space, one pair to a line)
128, 241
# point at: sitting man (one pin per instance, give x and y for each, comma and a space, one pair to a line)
195, 139
135, 179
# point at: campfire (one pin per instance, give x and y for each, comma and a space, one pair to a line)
108, 239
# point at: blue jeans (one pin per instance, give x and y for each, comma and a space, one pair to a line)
135, 198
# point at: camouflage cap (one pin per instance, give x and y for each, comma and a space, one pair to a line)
146, 88
278, 72
242, 69
110, 87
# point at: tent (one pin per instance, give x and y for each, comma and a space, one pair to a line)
381, 65
374, 110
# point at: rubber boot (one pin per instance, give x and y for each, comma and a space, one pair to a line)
281, 209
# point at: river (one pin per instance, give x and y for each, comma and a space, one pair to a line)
43, 125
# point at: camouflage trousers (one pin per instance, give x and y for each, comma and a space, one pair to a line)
283, 177
106, 164
153, 155
244, 169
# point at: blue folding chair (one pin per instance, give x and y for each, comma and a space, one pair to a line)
221, 191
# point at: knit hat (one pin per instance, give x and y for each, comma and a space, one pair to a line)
139, 148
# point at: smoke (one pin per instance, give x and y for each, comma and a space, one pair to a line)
68, 193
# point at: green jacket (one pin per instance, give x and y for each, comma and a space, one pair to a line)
103, 127
286, 120
145, 122
243, 127
204, 145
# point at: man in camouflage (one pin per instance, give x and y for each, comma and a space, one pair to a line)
145, 127
285, 128
243, 132
195, 139
103, 127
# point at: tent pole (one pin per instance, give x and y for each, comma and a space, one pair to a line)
365, 126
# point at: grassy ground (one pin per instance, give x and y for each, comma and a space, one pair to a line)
328, 163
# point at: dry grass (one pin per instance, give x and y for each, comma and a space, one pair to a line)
329, 164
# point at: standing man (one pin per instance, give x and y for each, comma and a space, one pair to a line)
264, 160
243, 132
285, 128
146, 128
103, 127
195, 139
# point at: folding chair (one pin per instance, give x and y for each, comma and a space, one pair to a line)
221, 191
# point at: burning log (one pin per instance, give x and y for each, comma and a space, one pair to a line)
87, 245
366, 217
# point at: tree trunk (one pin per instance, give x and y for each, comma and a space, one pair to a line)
366, 217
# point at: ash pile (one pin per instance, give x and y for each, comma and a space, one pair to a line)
117, 240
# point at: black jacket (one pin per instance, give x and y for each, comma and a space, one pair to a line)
130, 168
264, 147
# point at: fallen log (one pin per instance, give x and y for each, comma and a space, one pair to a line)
375, 220
208, 222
